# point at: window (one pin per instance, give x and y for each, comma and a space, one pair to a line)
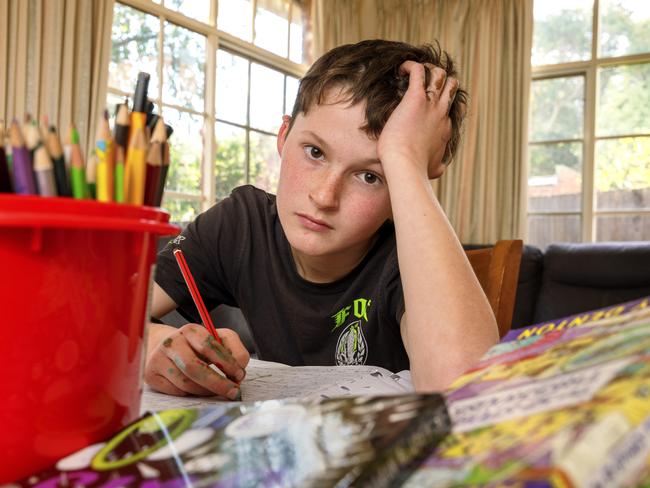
589, 129
221, 81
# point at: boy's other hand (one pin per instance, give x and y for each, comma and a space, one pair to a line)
419, 128
179, 363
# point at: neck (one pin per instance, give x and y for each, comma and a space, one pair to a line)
330, 267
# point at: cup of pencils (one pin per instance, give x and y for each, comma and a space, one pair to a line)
77, 274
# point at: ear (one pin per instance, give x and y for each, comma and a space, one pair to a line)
282, 133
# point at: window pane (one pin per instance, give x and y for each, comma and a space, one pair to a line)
267, 90
547, 229
186, 151
562, 31
184, 67
623, 228
555, 177
232, 87
557, 108
236, 17
134, 49
624, 27
624, 102
272, 25
265, 162
623, 173
230, 165
296, 34
290, 94
181, 210
191, 8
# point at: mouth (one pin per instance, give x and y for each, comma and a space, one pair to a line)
312, 223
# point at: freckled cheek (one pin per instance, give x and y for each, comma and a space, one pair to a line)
368, 215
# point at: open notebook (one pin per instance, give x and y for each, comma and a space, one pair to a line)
266, 380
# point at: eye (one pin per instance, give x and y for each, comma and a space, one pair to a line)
313, 152
370, 178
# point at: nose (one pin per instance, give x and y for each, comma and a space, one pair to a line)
326, 191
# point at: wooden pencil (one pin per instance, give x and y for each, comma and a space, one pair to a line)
77, 166
160, 135
121, 142
104, 163
53, 143
5, 177
24, 182
152, 180
136, 168
44, 172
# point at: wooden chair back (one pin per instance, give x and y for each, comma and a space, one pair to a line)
497, 269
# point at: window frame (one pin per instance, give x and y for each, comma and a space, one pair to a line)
215, 40
588, 69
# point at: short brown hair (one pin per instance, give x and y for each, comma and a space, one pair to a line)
369, 71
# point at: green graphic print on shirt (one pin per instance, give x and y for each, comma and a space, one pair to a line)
351, 347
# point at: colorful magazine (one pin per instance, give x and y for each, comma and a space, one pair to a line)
356, 441
569, 407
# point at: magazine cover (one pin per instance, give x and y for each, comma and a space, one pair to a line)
357, 441
567, 408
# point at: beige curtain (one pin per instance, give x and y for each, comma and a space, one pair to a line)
54, 56
490, 41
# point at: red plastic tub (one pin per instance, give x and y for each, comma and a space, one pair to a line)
73, 292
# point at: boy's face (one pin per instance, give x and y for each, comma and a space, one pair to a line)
332, 194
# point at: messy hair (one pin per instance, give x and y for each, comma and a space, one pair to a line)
369, 71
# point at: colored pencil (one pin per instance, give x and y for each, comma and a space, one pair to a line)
121, 139
5, 178
138, 122
104, 160
91, 175
152, 180
161, 134
137, 168
44, 172
58, 161
24, 182
77, 166
196, 296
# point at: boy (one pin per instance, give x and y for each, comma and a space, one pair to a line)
315, 269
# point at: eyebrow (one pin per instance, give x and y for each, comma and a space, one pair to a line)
321, 142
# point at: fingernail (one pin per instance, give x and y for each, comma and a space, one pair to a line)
234, 394
239, 375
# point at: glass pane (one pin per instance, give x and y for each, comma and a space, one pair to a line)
272, 25
191, 8
557, 108
134, 48
184, 67
181, 210
230, 165
290, 94
264, 162
232, 87
186, 151
236, 17
624, 102
267, 90
623, 173
547, 229
624, 27
555, 177
296, 34
623, 228
562, 31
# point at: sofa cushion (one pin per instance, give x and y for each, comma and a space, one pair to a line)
528, 284
585, 276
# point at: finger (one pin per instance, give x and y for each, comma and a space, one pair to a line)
169, 370
416, 73
211, 351
163, 385
437, 82
449, 93
234, 344
186, 359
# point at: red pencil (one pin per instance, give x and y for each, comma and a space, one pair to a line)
194, 291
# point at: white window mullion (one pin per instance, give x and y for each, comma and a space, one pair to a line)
588, 151
209, 147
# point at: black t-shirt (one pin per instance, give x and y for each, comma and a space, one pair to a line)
240, 256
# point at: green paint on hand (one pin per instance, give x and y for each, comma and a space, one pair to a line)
168, 342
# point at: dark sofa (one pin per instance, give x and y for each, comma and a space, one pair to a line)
571, 278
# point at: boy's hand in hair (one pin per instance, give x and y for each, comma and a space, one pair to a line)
419, 129
180, 362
